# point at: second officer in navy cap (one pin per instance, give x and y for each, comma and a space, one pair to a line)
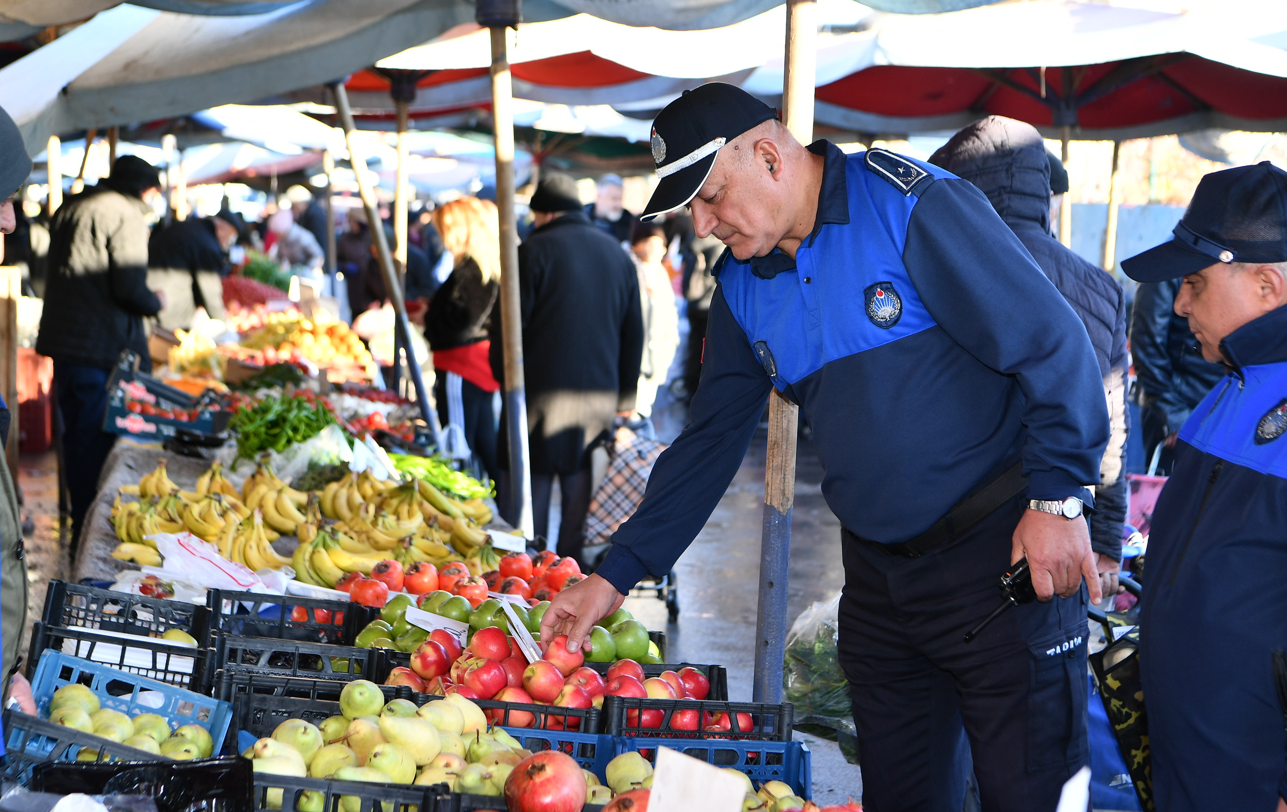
1215, 595
958, 413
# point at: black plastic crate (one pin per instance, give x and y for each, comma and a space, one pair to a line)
228, 686
767, 722
373, 797
285, 658
287, 617
543, 717
717, 675
211, 784
161, 660
30, 740
260, 714
455, 802
88, 607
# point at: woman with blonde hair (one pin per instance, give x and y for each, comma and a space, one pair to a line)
457, 323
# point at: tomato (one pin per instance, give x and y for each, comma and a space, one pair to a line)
133, 406
472, 589
558, 574
147, 409
370, 592
516, 565
450, 574
299, 614
165, 414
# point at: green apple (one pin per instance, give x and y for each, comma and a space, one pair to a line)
371, 631
534, 616
615, 618
396, 608
631, 639
361, 698
179, 636
199, 736
383, 642
435, 600
75, 694
400, 627
150, 724
456, 608
487, 614
411, 641
602, 648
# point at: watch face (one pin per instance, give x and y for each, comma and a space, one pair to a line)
1072, 507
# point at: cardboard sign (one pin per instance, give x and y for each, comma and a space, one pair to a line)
508, 542
526, 642
431, 622
683, 782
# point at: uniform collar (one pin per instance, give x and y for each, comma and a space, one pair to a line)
1260, 341
833, 208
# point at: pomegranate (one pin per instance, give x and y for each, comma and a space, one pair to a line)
636, 800
549, 781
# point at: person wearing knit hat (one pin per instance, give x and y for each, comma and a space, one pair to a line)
187, 261
96, 297
582, 343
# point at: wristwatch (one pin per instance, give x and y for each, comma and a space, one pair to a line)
1069, 508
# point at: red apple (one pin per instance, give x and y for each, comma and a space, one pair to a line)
515, 650
564, 660
696, 685
543, 681
572, 696
490, 644
485, 677
430, 660
514, 668
676, 683
438, 686
457, 672
658, 688
390, 572
463, 690
651, 718
421, 578
588, 680
517, 718
629, 668
405, 676
625, 685
448, 643
684, 720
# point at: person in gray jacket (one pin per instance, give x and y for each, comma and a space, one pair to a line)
1009, 163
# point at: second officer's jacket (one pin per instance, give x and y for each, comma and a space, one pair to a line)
921, 342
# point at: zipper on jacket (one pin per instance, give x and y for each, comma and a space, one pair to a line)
1211, 481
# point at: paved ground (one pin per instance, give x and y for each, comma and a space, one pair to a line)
47, 552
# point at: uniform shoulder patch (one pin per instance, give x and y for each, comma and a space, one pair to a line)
896, 169
1273, 425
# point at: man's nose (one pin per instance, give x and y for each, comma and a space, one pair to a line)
704, 221
1182, 301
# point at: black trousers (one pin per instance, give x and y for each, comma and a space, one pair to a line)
574, 490
1015, 696
480, 420
82, 400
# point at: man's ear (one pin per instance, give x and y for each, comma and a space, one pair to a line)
1272, 286
768, 155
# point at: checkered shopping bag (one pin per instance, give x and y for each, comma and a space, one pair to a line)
622, 489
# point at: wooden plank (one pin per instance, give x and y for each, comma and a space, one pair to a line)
10, 291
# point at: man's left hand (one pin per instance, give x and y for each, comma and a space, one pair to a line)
1058, 553
1108, 570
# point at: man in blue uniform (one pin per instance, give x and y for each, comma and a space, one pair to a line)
1215, 599
958, 412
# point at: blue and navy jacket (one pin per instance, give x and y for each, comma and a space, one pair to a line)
1215, 589
921, 342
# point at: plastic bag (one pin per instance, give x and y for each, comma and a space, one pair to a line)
327, 447
192, 561
811, 675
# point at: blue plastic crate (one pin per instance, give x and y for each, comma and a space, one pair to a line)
30, 740
592, 751
129, 694
789, 762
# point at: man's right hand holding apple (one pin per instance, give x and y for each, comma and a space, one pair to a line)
575, 610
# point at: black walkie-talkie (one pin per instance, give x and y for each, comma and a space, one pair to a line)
1016, 588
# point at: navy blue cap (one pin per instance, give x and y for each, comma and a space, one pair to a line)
1236, 215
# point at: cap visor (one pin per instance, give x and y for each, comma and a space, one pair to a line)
674, 191
1170, 260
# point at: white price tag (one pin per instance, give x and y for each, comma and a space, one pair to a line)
1121, 631
517, 600
431, 622
507, 541
525, 641
683, 782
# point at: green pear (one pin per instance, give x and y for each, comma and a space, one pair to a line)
498, 757
142, 741
475, 719
150, 724
199, 736
180, 749
777, 789
310, 800
750, 788
303, 736
75, 694
179, 636
399, 707
437, 775
330, 758
449, 761
597, 795
480, 746
451, 743
394, 761
476, 779
501, 735
87, 754
361, 698
444, 715
73, 716
647, 782
787, 803
500, 774
415, 735
626, 772
277, 765
752, 803
362, 735
353, 803
591, 780
333, 728
113, 720
272, 748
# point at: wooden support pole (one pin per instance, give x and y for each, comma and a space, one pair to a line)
113, 134
511, 317
10, 291
169, 145
779, 468
400, 203
1110, 229
78, 185
1065, 208
53, 161
180, 190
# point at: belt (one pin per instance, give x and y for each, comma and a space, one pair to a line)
967, 513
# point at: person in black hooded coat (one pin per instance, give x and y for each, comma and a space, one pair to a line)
1008, 161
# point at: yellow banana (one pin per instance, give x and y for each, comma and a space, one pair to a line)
351, 545
299, 563
226, 537
297, 498
287, 508
203, 482
137, 553
265, 551
251, 552
197, 525
328, 499
324, 568
269, 507
438, 499
130, 490
430, 547
255, 495
349, 562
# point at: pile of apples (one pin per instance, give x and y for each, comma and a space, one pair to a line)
77, 707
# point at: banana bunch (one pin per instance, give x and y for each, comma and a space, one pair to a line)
380, 530
213, 481
476, 510
137, 553
206, 517
155, 484
246, 542
313, 520
136, 522
485, 560
342, 498
332, 555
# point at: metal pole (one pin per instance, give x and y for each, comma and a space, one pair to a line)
402, 326
400, 193
1065, 207
168, 145
328, 168
180, 190
78, 185
1110, 229
53, 154
511, 324
113, 135
779, 466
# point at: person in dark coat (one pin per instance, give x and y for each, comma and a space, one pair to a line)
1009, 163
188, 260
310, 216
96, 297
607, 212
458, 322
421, 283
1171, 375
582, 344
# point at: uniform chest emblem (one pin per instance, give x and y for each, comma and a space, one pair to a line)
1273, 425
658, 148
884, 305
